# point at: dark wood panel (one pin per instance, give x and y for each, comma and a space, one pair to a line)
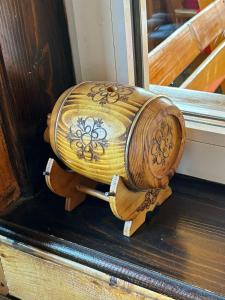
10, 131
9, 189
36, 52
183, 240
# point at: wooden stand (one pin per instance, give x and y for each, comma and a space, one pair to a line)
127, 205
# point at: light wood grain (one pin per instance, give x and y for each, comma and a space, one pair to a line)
210, 74
173, 55
127, 205
33, 278
119, 135
3, 285
131, 206
64, 183
203, 3
152, 159
101, 129
219, 39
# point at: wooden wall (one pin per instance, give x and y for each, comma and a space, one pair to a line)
37, 67
9, 189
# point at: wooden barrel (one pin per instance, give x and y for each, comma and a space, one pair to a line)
101, 129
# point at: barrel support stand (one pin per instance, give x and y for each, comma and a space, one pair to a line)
127, 205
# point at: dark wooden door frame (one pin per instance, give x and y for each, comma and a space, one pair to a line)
10, 130
35, 68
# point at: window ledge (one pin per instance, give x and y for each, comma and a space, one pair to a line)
204, 113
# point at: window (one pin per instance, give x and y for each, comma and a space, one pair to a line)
172, 27
111, 41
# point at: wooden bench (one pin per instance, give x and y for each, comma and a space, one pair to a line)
169, 59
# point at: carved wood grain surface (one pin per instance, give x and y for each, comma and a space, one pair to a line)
179, 251
102, 129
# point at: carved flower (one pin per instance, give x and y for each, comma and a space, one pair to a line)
88, 138
109, 93
162, 144
150, 198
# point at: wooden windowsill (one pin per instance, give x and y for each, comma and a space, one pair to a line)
178, 252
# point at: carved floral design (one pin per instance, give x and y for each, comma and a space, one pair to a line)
88, 138
104, 93
150, 198
162, 143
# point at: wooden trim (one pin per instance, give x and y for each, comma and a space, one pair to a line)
10, 129
210, 74
140, 33
109, 40
84, 280
9, 189
123, 41
22, 238
187, 42
3, 284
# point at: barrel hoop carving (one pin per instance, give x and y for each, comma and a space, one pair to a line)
162, 144
150, 198
87, 137
109, 93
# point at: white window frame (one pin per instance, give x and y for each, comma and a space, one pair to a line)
101, 36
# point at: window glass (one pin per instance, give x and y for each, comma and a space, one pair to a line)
164, 17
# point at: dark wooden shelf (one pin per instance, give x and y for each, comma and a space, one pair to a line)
179, 251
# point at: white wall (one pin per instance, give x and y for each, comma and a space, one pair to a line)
101, 39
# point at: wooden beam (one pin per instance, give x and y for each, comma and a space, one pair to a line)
173, 55
210, 74
203, 3
218, 40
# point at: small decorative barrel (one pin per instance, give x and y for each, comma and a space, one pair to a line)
101, 129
